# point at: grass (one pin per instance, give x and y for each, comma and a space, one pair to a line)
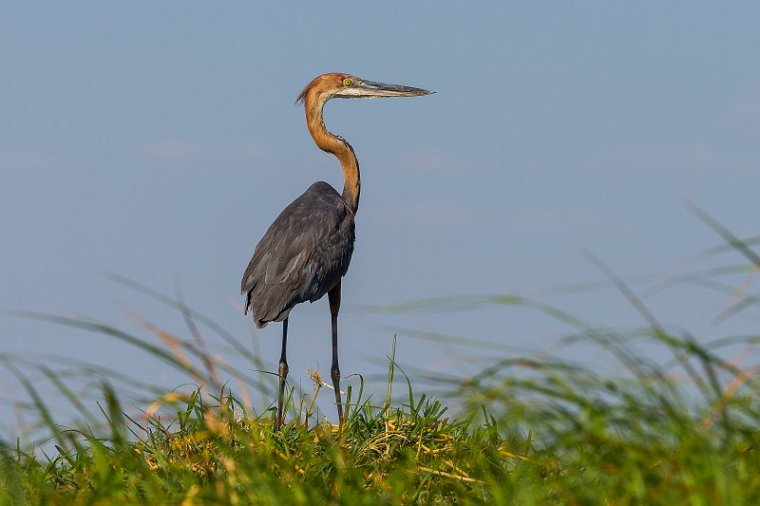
526, 430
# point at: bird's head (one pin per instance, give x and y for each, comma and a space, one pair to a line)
339, 85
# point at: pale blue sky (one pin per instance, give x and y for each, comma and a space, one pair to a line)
159, 140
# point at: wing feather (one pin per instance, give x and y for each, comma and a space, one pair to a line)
303, 254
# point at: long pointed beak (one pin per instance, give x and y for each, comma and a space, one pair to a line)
370, 89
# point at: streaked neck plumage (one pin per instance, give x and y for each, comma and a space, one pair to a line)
335, 144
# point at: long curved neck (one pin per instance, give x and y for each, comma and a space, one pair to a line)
336, 145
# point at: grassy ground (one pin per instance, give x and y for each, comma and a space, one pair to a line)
526, 431
530, 432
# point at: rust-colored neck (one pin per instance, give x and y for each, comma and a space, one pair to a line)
335, 144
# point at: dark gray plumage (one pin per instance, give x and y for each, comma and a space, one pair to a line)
302, 256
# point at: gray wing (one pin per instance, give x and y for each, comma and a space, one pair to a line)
303, 254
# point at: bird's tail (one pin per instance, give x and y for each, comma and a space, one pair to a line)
247, 303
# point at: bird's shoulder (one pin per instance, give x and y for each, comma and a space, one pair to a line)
321, 205
317, 228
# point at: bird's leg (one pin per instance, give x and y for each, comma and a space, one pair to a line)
334, 296
283, 373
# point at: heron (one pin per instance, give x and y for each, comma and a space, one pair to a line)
307, 249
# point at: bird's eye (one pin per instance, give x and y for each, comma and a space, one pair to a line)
347, 82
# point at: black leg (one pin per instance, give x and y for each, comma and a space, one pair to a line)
283, 373
334, 296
